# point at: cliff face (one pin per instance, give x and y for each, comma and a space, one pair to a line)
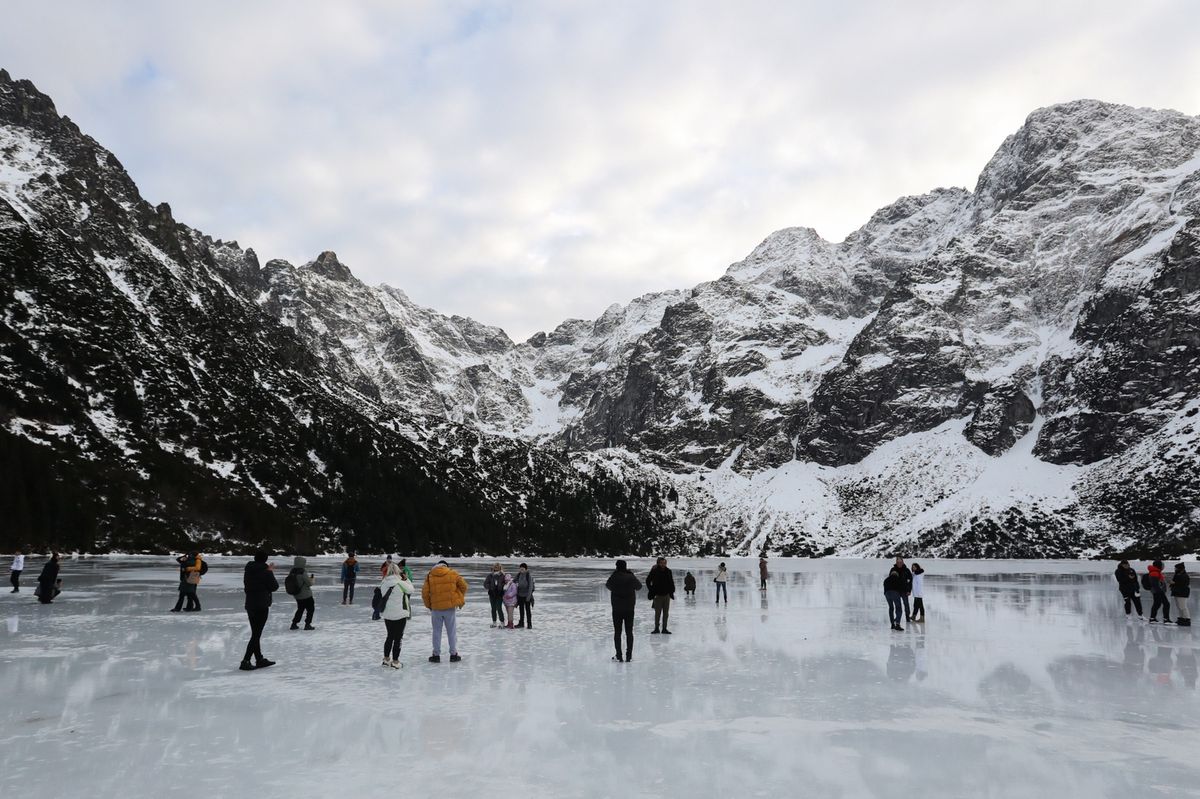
1008, 371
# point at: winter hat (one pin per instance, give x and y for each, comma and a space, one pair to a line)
442, 563
299, 562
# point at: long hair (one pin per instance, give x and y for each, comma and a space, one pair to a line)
393, 571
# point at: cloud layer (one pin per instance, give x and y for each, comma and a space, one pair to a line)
526, 162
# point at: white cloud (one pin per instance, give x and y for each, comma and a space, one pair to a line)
523, 163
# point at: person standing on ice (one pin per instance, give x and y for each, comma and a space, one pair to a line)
660, 586
623, 586
383, 567
397, 610
722, 581
349, 575
906, 576
893, 586
918, 592
48, 580
494, 585
444, 592
191, 569
1127, 584
1153, 581
302, 580
14, 571
762, 573
525, 588
259, 583
509, 597
1181, 589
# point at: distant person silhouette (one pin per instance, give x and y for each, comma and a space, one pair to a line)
623, 586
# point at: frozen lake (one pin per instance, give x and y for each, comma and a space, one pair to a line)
1027, 680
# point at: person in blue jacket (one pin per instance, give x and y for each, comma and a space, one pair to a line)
349, 575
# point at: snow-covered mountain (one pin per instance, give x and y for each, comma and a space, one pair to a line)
1005, 371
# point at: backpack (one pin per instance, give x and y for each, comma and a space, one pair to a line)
203, 567
1147, 582
379, 600
291, 583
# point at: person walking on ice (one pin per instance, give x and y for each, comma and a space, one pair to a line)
1181, 589
14, 571
259, 583
623, 586
525, 587
299, 583
48, 580
918, 592
762, 573
1153, 582
349, 575
722, 582
444, 592
1127, 584
660, 586
191, 568
396, 611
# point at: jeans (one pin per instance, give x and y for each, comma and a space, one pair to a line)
1135, 600
303, 606
395, 632
1161, 601
526, 609
258, 620
907, 614
348, 591
623, 618
188, 591
895, 604
662, 609
447, 619
497, 602
15, 579
721, 589
1181, 608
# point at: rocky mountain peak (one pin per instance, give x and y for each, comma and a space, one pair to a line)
328, 265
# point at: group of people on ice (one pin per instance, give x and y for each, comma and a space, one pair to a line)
49, 584
900, 584
1153, 580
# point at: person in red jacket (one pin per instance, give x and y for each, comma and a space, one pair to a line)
1158, 588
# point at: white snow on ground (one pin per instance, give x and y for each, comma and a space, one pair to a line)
1026, 680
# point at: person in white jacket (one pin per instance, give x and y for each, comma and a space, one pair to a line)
397, 609
918, 592
18, 566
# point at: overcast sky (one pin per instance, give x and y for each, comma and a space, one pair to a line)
527, 162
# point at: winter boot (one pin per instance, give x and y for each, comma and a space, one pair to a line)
395, 664
262, 664
309, 627
617, 658
435, 658
386, 662
246, 666
294, 626
455, 658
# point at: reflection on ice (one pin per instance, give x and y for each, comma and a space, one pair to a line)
1026, 679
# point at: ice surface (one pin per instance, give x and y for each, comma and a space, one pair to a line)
1027, 680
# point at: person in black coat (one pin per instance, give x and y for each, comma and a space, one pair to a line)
259, 583
1127, 583
623, 586
893, 585
906, 587
1181, 589
660, 585
48, 581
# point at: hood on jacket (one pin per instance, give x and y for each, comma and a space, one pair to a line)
1154, 571
299, 562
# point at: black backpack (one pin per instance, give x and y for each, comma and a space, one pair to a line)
291, 583
1147, 582
379, 600
203, 567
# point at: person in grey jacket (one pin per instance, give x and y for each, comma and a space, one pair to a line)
525, 596
305, 604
